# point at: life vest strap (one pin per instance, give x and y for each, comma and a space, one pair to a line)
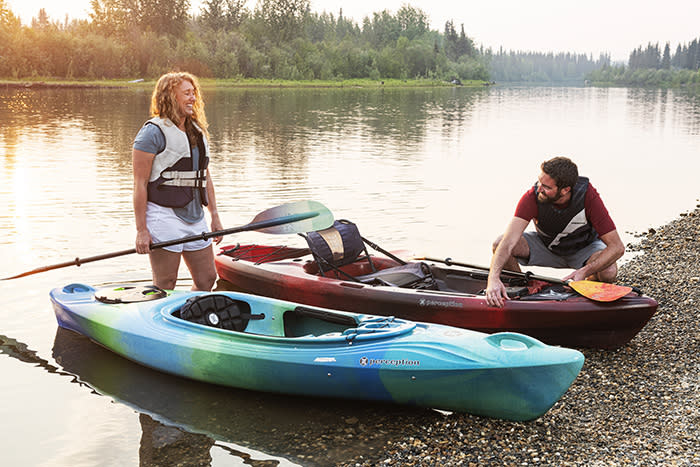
191, 178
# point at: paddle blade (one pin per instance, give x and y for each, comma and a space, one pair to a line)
304, 216
600, 291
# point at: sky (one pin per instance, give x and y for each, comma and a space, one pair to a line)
592, 27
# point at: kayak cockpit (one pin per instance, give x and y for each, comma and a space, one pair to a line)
227, 312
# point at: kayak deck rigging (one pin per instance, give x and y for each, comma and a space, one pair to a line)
258, 254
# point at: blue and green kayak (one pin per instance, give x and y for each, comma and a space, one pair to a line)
265, 344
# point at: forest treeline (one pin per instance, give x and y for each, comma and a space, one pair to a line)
276, 39
284, 39
543, 67
650, 66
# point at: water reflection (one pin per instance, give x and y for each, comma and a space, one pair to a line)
163, 442
185, 418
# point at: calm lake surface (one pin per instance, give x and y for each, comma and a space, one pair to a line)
436, 171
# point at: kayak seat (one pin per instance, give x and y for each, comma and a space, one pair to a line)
219, 311
337, 246
410, 275
303, 321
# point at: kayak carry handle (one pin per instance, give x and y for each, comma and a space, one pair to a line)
76, 288
513, 341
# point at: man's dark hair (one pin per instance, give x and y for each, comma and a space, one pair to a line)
562, 170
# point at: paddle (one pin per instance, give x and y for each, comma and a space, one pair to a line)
289, 218
598, 291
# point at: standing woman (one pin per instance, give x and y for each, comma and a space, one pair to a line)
172, 183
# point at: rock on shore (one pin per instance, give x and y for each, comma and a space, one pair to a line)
638, 405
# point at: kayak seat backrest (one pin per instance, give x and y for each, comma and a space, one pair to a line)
337, 246
410, 275
219, 311
303, 321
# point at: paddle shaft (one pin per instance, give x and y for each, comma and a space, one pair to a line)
526, 275
203, 236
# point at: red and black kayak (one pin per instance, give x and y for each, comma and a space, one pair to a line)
435, 292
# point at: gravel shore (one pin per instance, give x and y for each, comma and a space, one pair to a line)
638, 405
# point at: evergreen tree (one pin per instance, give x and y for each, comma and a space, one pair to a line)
42, 20
413, 22
284, 19
693, 57
382, 30
236, 12
161, 17
451, 40
666, 59
111, 17
213, 12
164, 17
676, 59
223, 14
464, 45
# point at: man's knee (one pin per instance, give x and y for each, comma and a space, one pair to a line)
608, 274
496, 242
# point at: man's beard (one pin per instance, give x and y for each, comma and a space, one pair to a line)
544, 199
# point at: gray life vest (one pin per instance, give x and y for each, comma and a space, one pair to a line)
173, 179
565, 231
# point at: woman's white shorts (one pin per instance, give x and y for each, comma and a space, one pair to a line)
164, 225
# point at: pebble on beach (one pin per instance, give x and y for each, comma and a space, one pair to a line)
638, 405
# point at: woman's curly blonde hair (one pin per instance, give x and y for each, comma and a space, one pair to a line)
164, 104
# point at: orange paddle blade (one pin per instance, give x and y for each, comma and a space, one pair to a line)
600, 291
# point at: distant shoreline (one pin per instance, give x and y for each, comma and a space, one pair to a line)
244, 83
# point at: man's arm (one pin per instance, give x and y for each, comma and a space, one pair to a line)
495, 290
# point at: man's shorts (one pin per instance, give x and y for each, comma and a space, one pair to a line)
540, 255
164, 225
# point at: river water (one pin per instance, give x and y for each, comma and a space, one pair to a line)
435, 171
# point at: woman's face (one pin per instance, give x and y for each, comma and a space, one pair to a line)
185, 97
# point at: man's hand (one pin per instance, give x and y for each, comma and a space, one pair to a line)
577, 275
496, 293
